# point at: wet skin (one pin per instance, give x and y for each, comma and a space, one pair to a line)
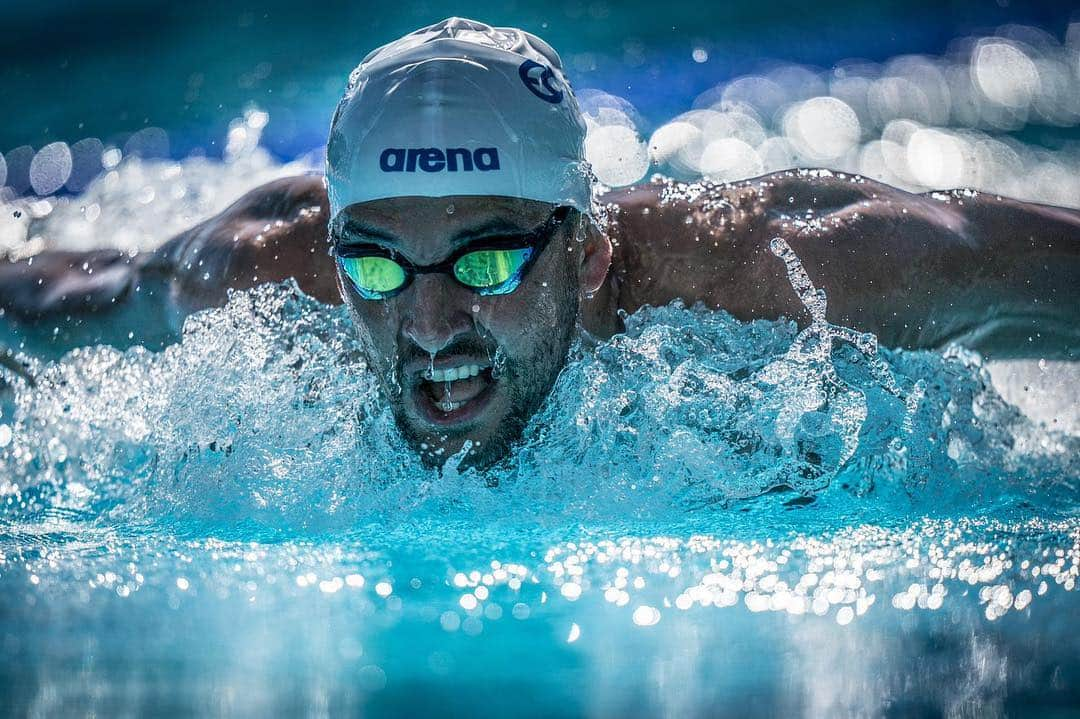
915, 270
515, 343
919, 271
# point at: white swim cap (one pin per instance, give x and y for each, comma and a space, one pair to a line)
459, 108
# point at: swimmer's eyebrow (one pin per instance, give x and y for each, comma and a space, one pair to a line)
356, 232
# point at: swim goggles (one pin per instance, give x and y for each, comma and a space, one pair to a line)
489, 266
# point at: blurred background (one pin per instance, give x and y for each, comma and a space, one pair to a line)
925, 95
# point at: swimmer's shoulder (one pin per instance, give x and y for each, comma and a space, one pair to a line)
695, 242
273, 232
646, 213
673, 209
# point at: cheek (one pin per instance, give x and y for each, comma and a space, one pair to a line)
376, 325
525, 322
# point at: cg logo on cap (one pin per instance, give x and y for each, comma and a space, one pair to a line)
540, 81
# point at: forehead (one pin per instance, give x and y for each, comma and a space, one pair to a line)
426, 228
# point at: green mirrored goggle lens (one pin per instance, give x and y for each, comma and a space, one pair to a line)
374, 275
490, 270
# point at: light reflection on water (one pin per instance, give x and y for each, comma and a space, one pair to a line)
233, 525
939, 615
705, 511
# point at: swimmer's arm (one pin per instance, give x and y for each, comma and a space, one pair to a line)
274, 232
58, 300
58, 282
1023, 296
923, 271
916, 270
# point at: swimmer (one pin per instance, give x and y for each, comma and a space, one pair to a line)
466, 241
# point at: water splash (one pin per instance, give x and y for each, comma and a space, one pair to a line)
685, 481
265, 416
683, 477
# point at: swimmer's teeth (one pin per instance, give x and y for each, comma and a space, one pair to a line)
454, 373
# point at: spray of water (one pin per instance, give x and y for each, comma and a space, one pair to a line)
264, 415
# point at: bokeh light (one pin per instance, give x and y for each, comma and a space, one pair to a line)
822, 129
18, 168
86, 163
149, 142
729, 158
50, 168
936, 158
1005, 74
918, 122
617, 154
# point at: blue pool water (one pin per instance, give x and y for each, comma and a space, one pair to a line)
707, 514
708, 517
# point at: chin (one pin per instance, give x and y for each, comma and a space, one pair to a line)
438, 438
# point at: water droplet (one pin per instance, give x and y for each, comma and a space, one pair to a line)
395, 381
498, 364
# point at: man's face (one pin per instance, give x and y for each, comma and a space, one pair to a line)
456, 365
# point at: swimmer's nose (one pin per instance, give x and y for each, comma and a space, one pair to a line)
437, 316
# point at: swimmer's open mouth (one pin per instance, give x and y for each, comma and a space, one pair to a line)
452, 394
